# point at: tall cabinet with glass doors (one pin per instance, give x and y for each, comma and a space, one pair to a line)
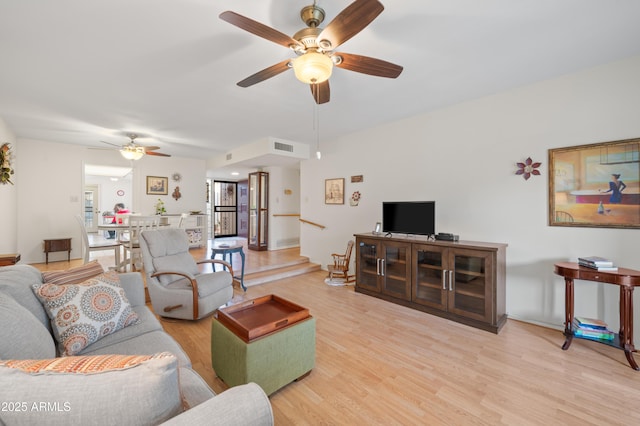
258, 211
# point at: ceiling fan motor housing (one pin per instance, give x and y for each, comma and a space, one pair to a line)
312, 15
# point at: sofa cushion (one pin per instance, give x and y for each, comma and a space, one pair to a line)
84, 313
148, 343
74, 275
16, 281
21, 334
123, 390
147, 322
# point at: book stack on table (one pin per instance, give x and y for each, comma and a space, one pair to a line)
597, 263
590, 328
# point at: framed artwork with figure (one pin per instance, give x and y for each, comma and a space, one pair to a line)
595, 185
334, 191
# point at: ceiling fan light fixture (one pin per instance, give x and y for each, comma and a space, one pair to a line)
312, 67
132, 152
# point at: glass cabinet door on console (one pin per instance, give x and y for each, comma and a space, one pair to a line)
396, 269
384, 267
470, 293
368, 265
430, 287
453, 279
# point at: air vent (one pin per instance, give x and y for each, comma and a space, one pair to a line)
283, 146
229, 156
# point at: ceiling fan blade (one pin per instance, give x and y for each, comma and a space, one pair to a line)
370, 66
158, 154
320, 92
150, 148
266, 73
112, 144
261, 30
353, 19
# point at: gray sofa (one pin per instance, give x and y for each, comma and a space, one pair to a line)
107, 397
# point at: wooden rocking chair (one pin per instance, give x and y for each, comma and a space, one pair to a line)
340, 267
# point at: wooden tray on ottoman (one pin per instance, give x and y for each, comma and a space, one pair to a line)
258, 317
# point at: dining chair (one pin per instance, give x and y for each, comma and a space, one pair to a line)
130, 239
183, 220
97, 246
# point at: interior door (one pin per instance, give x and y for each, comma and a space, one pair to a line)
91, 207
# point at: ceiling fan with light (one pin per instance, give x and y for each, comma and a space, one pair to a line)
135, 151
316, 46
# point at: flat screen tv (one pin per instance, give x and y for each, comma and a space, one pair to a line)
409, 217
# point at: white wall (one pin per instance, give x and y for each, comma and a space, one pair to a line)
463, 157
284, 198
52, 187
8, 197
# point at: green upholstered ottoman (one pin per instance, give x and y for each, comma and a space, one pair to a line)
272, 360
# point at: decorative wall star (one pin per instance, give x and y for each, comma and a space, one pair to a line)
528, 168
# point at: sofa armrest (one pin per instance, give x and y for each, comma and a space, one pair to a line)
133, 287
239, 405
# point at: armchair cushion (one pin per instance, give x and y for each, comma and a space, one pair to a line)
84, 313
91, 390
207, 283
182, 262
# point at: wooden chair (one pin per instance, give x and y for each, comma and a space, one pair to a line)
101, 246
131, 239
563, 216
340, 267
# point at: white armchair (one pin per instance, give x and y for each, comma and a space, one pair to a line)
177, 287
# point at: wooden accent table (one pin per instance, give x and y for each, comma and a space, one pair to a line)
627, 279
9, 259
57, 244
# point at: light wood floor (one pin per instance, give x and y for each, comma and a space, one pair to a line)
379, 363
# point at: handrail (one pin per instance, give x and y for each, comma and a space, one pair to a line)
287, 214
312, 223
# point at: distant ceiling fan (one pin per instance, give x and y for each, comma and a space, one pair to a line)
134, 151
315, 46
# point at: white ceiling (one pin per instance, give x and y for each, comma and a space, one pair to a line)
78, 71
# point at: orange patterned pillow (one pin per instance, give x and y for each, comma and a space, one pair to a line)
74, 275
82, 364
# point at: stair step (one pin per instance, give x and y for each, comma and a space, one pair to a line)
280, 271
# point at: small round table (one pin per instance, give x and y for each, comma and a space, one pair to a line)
229, 249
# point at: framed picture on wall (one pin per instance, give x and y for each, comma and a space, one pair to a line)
334, 191
157, 185
596, 185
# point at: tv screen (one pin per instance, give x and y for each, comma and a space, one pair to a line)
409, 217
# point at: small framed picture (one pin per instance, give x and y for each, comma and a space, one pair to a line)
157, 185
334, 191
378, 228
